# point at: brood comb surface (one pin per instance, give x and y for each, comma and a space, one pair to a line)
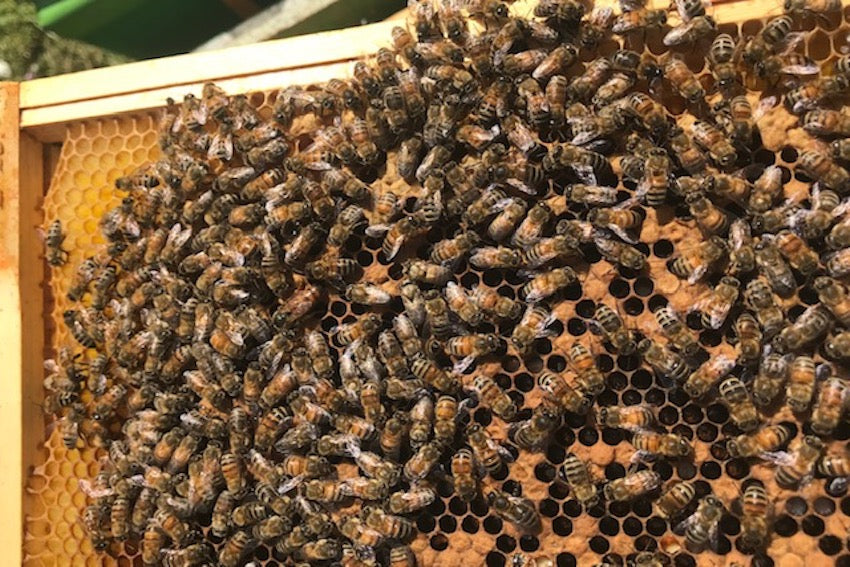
810, 524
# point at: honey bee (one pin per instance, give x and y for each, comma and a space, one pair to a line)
829, 405
519, 511
533, 325
709, 218
421, 422
575, 472
766, 440
614, 330
426, 272
464, 474
770, 379
494, 397
834, 296
451, 250
496, 257
426, 370
838, 263
589, 378
362, 329
748, 336
323, 549
485, 449
772, 66
760, 299
795, 7
834, 465
423, 461
631, 486
707, 375
757, 513
416, 498
798, 253
389, 525
618, 252
532, 434
650, 445
639, 20
716, 305
825, 122
557, 61
680, 337
691, 31
367, 488
810, 325
462, 304
742, 411
499, 306
558, 390
562, 10
471, 347
796, 468
663, 361
674, 499
802, 376
630, 418
582, 87
703, 524
361, 428
546, 284
720, 58
811, 95
53, 238
683, 79
596, 27
718, 146
699, 260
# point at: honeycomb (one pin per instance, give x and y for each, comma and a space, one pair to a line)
810, 525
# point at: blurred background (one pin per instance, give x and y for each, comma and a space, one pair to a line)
40, 38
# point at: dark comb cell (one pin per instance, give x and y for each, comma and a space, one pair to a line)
824, 506
737, 468
644, 287
544, 472
548, 507
618, 288
812, 525
448, 524
609, 526
588, 436
425, 523
599, 544
576, 327
707, 432
529, 543
612, 436
668, 415
572, 508
785, 526
439, 542
632, 526
830, 544
562, 526
617, 380
556, 363
796, 506
457, 506
586, 307
656, 302
495, 559
565, 560
710, 470
492, 525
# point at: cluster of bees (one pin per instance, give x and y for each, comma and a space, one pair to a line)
219, 402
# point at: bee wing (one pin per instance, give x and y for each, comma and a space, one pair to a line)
376, 230
679, 34
585, 173
686, 523
461, 365
632, 5
290, 484
763, 106
622, 233
790, 42
809, 68
699, 272
780, 458
520, 186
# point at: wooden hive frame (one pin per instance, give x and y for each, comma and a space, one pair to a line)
34, 119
